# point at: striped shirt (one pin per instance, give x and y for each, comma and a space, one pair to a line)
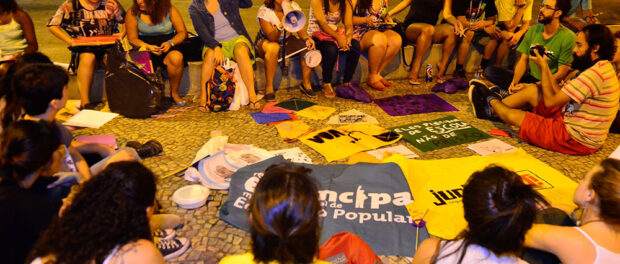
595, 94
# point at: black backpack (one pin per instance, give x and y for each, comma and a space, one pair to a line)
131, 92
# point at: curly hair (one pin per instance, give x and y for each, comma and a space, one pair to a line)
8, 6
499, 209
109, 210
156, 9
285, 216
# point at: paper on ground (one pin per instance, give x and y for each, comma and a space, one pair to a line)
398, 149
90, 118
352, 116
293, 155
493, 146
616, 153
214, 145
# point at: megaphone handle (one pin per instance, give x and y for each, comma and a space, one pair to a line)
283, 53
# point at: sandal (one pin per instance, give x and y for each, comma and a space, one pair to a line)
414, 81
307, 92
204, 109
328, 90
385, 82
255, 105
270, 97
376, 85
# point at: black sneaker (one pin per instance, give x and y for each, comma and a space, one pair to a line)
163, 233
172, 248
480, 104
502, 92
460, 73
307, 92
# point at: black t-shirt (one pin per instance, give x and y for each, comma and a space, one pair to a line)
23, 216
424, 11
63, 133
474, 9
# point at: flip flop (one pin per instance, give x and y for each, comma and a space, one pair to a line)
204, 109
376, 85
385, 82
412, 82
255, 105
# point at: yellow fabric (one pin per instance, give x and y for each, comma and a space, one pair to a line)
248, 258
428, 178
292, 130
228, 47
339, 143
362, 157
316, 112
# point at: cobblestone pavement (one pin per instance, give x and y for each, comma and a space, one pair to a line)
182, 136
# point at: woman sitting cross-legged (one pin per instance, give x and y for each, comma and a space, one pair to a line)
107, 221
219, 26
268, 41
421, 29
596, 238
499, 209
284, 218
371, 23
158, 26
325, 15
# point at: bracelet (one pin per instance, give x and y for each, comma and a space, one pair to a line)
171, 43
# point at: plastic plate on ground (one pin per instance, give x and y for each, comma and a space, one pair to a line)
191, 196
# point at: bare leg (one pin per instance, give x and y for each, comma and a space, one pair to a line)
463, 49
174, 66
528, 96
271, 51
444, 33
242, 57
85, 72
394, 42
422, 34
490, 48
375, 43
205, 75
509, 115
502, 50
305, 73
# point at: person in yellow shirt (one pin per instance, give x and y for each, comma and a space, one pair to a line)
284, 218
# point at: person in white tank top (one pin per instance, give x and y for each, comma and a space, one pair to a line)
499, 209
597, 238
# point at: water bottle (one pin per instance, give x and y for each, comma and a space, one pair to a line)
429, 73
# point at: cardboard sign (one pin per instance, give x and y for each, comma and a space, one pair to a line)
439, 133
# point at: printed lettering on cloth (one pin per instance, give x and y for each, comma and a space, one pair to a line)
414, 104
437, 186
439, 133
352, 116
365, 199
341, 142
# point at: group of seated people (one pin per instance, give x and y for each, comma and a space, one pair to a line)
351, 28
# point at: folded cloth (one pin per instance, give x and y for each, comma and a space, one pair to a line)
263, 118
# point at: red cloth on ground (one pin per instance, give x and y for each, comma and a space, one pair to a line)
544, 127
345, 247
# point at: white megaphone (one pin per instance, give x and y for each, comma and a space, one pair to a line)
294, 19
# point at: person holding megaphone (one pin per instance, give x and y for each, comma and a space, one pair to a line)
278, 18
219, 26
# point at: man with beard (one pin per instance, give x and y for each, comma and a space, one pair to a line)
557, 39
571, 118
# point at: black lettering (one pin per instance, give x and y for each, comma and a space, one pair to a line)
441, 201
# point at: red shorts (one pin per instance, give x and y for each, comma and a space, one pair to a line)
545, 127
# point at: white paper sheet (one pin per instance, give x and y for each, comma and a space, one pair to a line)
90, 118
493, 146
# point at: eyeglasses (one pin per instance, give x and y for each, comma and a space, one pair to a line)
548, 7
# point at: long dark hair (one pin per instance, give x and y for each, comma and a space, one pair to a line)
26, 147
8, 6
600, 35
499, 209
284, 212
342, 7
156, 9
606, 186
109, 210
362, 7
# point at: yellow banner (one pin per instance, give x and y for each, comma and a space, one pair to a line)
437, 186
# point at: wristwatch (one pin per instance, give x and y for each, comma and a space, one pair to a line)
171, 43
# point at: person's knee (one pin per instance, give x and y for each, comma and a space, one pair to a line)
208, 56
271, 49
174, 59
379, 40
241, 49
469, 36
394, 40
428, 30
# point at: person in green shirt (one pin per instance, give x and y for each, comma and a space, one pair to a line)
557, 40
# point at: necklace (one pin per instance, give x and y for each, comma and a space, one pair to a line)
591, 221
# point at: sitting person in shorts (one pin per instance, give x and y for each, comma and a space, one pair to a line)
573, 118
87, 18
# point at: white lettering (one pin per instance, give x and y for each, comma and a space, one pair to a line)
378, 199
